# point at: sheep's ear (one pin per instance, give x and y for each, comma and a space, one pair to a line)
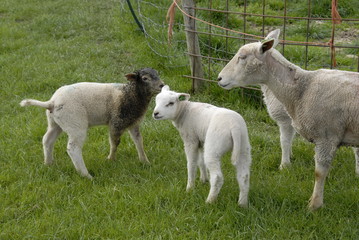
165, 88
183, 97
274, 35
131, 76
266, 45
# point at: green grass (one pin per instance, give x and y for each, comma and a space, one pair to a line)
47, 44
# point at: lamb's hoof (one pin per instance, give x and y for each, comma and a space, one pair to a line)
189, 188
314, 205
243, 205
89, 176
284, 166
210, 200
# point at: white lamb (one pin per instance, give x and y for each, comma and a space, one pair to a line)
74, 108
208, 132
323, 104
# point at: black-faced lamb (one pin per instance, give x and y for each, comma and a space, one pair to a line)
208, 132
322, 104
74, 108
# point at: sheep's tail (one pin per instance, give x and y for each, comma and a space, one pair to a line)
241, 147
32, 102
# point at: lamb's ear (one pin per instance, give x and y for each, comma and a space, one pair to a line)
131, 76
266, 45
165, 88
183, 96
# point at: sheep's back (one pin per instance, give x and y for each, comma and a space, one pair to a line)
95, 100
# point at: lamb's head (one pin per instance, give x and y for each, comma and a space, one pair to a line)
168, 104
248, 66
147, 79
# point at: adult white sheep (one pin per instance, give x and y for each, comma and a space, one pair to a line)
74, 108
208, 132
279, 114
322, 104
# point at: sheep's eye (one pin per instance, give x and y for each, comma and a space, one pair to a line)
144, 78
170, 104
242, 57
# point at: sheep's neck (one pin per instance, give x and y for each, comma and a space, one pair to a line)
133, 104
181, 114
285, 80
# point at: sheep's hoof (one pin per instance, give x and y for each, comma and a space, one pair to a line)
314, 205
211, 200
284, 166
243, 205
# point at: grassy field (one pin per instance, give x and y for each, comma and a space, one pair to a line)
47, 44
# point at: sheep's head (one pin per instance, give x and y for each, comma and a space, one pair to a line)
147, 78
247, 66
168, 104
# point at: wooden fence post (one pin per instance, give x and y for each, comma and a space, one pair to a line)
193, 45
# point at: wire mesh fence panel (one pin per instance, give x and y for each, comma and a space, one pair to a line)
309, 38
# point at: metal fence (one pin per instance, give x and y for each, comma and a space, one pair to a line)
310, 41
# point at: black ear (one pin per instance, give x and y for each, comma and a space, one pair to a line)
131, 76
266, 45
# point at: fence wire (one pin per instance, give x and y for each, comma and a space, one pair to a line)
257, 17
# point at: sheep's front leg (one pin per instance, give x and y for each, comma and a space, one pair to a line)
324, 154
287, 133
115, 139
138, 140
356, 153
192, 157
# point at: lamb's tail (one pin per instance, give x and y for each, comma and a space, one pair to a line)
241, 146
32, 102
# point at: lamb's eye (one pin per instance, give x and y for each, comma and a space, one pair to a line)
170, 104
144, 78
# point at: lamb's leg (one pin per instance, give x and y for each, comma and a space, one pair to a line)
242, 166
48, 141
138, 140
324, 153
192, 157
287, 133
356, 153
74, 149
215, 174
115, 139
202, 167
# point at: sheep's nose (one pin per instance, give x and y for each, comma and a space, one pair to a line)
219, 79
155, 114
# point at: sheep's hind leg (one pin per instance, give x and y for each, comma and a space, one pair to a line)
242, 166
287, 133
215, 177
202, 167
138, 140
48, 141
324, 154
74, 149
